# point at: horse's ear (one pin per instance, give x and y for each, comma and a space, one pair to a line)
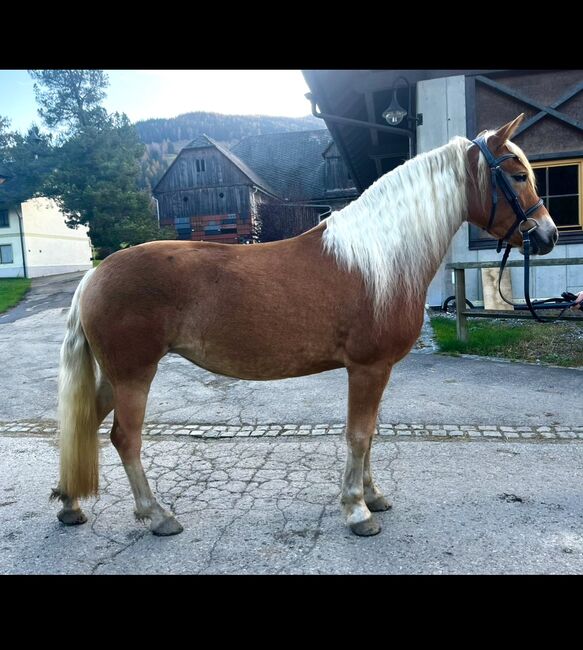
507, 131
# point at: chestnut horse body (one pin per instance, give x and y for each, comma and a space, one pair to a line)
348, 293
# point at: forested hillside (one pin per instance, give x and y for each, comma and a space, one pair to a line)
165, 137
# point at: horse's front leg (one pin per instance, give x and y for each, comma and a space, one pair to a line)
373, 497
359, 493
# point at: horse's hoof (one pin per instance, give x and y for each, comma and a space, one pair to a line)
169, 526
366, 528
71, 517
380, 504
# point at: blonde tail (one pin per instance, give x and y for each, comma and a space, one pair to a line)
79, 442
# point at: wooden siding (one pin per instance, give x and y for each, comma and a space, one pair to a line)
205, 201
549, 135
336, 174
219, 171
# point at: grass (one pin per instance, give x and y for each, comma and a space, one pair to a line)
12, 291
558, 344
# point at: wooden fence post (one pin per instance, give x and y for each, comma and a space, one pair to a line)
460, 305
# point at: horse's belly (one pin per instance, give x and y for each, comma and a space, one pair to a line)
243, 362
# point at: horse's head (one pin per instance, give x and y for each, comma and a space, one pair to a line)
506, 203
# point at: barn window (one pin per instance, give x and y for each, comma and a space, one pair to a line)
212, 229
4, 220
559, 186
6, 254
200, 166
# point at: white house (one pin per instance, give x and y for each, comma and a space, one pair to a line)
35, 241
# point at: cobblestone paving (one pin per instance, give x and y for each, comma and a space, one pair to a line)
417, 431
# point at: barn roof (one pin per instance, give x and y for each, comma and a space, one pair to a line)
250, 173
288, 165
292, 162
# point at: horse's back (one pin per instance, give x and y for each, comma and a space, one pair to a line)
234, 309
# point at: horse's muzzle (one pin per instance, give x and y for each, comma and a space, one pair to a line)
543, 240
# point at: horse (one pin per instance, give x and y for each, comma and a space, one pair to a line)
348, 293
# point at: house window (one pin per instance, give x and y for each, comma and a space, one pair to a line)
4, 220
6, 254
200, 166
559, 185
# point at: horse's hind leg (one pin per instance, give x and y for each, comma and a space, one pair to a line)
130, 406
365, 389
71, 513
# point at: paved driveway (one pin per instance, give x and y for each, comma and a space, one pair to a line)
483, 460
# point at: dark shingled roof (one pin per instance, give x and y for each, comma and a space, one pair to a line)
200, 142
250, 173
292, 163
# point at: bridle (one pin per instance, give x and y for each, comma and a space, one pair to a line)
499, 179
523, 221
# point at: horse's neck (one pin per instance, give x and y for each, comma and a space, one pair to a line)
398, 232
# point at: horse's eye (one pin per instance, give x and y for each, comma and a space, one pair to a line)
521, 178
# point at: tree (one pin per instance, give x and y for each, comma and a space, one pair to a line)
26, 160
96, 179
96, 184
70, 98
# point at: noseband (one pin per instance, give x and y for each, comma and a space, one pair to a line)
523, 221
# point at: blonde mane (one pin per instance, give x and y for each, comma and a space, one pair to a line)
398, 231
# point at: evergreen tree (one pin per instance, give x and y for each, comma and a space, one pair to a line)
70, 98
96, 179
96, 185
26, 161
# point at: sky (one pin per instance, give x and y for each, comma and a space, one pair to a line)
143, 94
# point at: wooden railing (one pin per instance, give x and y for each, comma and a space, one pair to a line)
462, 314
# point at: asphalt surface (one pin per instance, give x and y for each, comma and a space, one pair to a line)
272, 506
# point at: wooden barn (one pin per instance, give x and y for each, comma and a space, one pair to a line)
380, 118
213, 193
208, 193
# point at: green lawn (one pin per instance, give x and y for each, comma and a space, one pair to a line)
12, 291
559, 344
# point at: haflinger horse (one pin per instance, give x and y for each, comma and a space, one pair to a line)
348, 293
